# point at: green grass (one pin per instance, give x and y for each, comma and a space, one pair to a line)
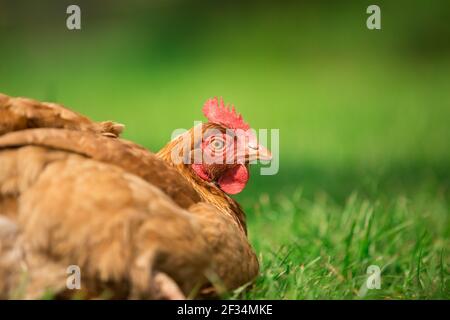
319, 249
363, 117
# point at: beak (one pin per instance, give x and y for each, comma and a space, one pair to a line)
259, 152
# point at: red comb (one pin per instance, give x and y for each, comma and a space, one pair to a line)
219, 113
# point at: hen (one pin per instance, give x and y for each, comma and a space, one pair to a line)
137, 224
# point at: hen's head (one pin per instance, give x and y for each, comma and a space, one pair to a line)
219, 151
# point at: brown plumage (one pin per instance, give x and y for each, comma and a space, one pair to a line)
138, 226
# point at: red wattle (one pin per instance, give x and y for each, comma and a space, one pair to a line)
234, 180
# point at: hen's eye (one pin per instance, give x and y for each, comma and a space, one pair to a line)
217, 144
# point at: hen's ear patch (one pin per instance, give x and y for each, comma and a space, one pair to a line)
223, 114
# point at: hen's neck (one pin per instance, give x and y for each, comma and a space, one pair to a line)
208, 191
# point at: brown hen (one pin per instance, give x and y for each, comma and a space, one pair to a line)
137, 224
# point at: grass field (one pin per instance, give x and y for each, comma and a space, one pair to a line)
363, 116
317, 248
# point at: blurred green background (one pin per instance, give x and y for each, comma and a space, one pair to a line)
359, 111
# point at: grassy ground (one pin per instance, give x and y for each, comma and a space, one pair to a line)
363, 116
317, 248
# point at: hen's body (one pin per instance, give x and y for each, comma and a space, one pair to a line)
73, 193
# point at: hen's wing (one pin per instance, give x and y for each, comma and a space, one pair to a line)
125, 154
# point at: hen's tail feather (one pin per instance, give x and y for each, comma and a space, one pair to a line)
23, 113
